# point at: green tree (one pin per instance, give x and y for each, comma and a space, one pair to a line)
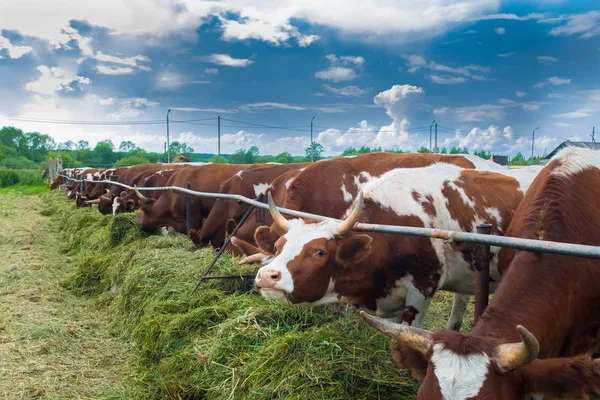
83, 144
104, 152
518, 159
10, 136
350, 151
68, 145
486, 155
284, 158
180, 148
127, 146
444, 150
314, 152
132, 160
458, 150
423, 149
243, 156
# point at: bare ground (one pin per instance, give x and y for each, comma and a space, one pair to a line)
53, 345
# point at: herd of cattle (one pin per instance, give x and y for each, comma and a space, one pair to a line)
538, 335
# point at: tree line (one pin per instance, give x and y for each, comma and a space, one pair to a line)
28, 150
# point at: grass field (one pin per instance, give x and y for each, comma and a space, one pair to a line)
99, 310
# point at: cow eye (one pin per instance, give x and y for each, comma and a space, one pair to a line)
320, 253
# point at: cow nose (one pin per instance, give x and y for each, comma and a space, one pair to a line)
268, 278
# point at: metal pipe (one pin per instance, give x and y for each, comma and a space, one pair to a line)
542, 246
482, 275
227, 241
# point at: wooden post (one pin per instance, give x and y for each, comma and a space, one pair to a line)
188, 208
482, 275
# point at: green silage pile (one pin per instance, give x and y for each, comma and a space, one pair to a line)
224, 341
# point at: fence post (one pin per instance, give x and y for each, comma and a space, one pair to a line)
482, 275
81, 186
188, 209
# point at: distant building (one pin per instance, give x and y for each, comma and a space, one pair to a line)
568, 143
500, 160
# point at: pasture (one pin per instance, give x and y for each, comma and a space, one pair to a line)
150, 337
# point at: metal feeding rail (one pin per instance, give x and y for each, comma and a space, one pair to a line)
483, 239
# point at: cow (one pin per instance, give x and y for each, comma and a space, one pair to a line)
389, 275
344, 177
534, 337
250, 184
243, 241
79, 173
168, 209
118, 199
93, 191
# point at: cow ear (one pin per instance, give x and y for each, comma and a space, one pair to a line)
265, 239
230, 226
354, 249
572, 378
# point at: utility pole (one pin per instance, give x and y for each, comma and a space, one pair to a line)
218, 138
430, 132
533, 139
312, 150
593, 133
168, 144
436, 148
165, 145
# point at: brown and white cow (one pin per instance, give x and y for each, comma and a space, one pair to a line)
344, 177
93, 191
243, 241
167, 209
392, 275
251, 183
545, 311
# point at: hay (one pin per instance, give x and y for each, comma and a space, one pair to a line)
224, 341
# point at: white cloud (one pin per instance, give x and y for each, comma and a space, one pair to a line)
349, 91
504, 55
585, 25
530, 107
453, 80
581, 113
519, 93
556, 81
500, 31
505, 101
226, 60
416, 62
210, 110
563, 124
546, 59
55, 79
129, 108
109, 70
275, 31
270, 105
211, 71
481, 112
478, 139
12, 50
340, 68
130, 61
336, 74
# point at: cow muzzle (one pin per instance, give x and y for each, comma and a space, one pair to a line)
267, 278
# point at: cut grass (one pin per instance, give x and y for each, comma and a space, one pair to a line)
53, 344
223, 341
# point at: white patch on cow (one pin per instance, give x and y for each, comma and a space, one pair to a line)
302, 169
115, 205
261, 188
392, 305
69, 193
239, 174
159, 173
574, 160
298, 235
347, 196
89, 177
289, 182
495, 213
460, 376
481, 163
349, 156
403, 296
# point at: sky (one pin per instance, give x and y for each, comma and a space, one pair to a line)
370, 72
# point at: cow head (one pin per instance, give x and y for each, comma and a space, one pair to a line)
461, 367
308, 256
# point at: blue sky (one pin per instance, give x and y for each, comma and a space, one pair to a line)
372, 73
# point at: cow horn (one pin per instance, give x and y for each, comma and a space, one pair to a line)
95, 201
254, 258
139, 195
417, 339
347, 224
277, 217
107, 191
510, 356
